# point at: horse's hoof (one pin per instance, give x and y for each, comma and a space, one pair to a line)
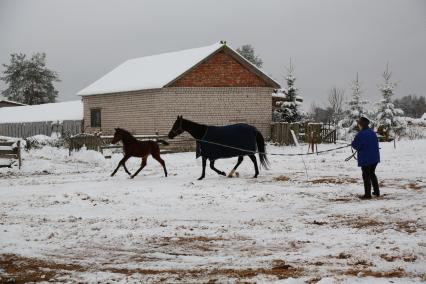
255, 176
230, 176
222, 173
200, 178
131, 177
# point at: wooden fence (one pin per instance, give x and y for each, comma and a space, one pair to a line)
27, 129
305, 132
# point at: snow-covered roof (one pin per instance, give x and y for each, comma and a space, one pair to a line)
72, 110
157, 71
3, 99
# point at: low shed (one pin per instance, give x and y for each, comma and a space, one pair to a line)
211, 85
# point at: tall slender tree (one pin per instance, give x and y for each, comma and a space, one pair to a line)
356, 107
29, 80
388, 117
289, 108
335, 99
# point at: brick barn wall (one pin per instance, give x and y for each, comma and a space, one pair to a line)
148, 111
220, 70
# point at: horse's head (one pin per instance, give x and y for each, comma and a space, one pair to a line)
117, 136
177, 128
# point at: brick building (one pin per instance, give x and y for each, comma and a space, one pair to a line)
212, 85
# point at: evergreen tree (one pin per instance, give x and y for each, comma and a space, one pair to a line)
356, 107
389, 120
288, 109
412, 105
29, 80
247, 51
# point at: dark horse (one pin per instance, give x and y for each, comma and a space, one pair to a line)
242, 140
135, 148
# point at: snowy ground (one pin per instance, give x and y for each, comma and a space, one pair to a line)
65, 219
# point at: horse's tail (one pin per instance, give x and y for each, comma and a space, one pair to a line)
161, 141
261, 149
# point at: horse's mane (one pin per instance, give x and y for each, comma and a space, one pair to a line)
126, 134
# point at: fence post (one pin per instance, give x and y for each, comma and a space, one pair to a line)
19, 153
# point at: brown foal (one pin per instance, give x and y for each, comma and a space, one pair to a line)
135, 148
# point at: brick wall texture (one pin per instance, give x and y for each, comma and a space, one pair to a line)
151, 111
220, 70
218, 91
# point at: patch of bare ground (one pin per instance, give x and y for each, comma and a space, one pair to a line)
408, 226
19, 269
191, 245
341, 199
282, 178
361, 223
278, 269
392, 258
319, 223
334, 180
414, 186
343, 255
362, 262
362, 272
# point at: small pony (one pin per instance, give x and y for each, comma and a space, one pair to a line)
135, 148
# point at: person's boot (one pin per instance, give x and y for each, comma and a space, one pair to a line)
376, 193
364, 196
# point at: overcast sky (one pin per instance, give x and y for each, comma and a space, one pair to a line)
328, 40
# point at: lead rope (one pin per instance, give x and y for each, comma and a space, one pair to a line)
272, 154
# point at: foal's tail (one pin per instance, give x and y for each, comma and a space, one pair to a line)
160, 141
261, 149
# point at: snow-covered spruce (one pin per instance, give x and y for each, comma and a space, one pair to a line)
356, 108
389, 120
288, 109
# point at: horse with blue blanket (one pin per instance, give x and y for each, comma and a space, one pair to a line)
221, 142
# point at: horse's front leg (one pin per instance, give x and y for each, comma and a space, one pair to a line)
240, 159
216, 170
125, 168
203, 174
141, 167
122, 162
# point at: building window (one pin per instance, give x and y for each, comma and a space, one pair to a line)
95, 117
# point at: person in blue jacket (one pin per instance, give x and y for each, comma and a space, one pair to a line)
367, 145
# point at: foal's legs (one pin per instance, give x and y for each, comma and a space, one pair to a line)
141, 167
240, 160
203, 174
256, 169
216, 170
161, 161
122, 162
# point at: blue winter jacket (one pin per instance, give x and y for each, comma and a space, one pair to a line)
367, 145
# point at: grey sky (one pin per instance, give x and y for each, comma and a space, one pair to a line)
328, 41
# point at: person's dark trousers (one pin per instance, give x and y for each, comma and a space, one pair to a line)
369, 177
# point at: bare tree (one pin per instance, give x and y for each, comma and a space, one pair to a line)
335, 99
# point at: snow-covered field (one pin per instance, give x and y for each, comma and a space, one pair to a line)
65, 219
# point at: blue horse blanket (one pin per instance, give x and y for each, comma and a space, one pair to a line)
241, 135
